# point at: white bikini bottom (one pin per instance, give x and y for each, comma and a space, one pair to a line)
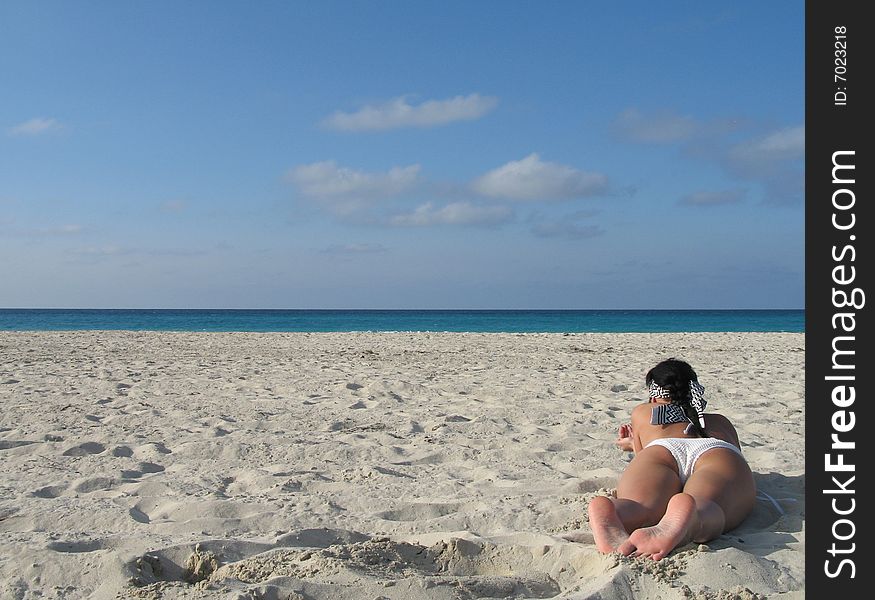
686, 451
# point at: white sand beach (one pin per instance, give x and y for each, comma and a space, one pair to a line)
369, 465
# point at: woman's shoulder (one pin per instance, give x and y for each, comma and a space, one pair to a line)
642, 410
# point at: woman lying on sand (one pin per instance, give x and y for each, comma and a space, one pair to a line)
688, 480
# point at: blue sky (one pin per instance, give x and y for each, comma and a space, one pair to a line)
394, 154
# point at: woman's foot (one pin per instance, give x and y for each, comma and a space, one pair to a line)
607, 529
672, 530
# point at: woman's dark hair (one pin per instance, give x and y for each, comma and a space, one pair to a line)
675, 376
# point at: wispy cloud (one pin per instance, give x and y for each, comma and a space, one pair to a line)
785, 144
103, 251
775, 161
114, 250
345, 191
9, 227
713, 198
172, 206
669, 127
35, 126
456, 213
353, 249
770, 159
534, 179
569, 227
398, 112
659, 128
326, 179
67, 229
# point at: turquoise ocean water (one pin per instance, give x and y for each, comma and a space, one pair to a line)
511, 321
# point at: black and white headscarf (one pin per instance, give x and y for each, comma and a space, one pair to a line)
665, 414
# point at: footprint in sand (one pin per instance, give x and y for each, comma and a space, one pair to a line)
369, 402
9, 444
390, 472
94, 484
152, 450
78, 546
50, 491
138, 515
143, 468
419, 511
85, 449
457, 419
122, 452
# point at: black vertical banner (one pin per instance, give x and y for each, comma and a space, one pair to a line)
838, 269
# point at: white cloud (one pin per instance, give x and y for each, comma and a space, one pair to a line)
399, 113
456, 213
713, 198
534, 179
36, 126
327, 180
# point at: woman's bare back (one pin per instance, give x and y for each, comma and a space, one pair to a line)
716, 425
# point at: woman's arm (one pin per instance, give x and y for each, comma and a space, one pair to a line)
624, 439
636, 443
640, 420
628, 439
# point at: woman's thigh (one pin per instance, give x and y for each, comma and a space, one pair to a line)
651, 479
724, 477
